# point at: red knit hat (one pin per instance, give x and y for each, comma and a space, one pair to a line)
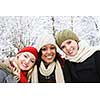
29, 49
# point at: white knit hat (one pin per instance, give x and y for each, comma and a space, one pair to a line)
44, 40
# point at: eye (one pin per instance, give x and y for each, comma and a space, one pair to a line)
25, 56
69, 42
62, 47
43, 49
52, 48
32, 61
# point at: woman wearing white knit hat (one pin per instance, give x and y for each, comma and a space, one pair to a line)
49, 64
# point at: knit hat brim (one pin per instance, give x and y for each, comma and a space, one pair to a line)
65, 35
45, 40
30, 49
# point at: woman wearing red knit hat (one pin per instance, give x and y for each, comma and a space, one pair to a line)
19, 69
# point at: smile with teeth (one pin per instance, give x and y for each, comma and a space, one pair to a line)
49, 56
70, 51
24, 65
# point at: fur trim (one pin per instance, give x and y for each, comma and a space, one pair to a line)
4, 64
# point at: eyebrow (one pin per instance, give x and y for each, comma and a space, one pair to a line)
29, 56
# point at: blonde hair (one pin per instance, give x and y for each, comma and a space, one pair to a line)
17, 70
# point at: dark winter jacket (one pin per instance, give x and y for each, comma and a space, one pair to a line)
66, 71
46, 79
87, 71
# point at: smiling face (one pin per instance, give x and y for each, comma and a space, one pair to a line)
69, 47
25, 60
48, 53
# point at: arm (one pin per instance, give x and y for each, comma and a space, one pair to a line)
97, 61
6, 77
66, 71
3, 75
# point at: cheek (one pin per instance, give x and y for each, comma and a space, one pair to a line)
76, 51
18, 61
43, 57
76, 47
54, 54
43, 54
30, 66
64, 50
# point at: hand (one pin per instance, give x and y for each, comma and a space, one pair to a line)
17, 78
16, 71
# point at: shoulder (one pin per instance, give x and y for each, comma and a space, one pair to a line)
3, 68
97, 54
3, 75
3, 72
60, 59
68, 62
6, 77
4, 63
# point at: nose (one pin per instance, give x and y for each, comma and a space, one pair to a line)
48, 51
67, 47
27, 60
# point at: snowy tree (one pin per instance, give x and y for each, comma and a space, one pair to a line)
19, 31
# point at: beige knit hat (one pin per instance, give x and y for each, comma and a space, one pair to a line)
44, 40
65, 35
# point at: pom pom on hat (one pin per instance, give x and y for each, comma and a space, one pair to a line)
65, 35
30, 49
44, 40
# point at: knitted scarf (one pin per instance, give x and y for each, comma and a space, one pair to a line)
83, 53
46, 72
23, 77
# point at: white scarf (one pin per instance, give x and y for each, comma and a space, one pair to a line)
83, 53
46, 72
34, 75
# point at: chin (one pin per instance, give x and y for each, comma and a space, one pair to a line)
23, 69
50, 62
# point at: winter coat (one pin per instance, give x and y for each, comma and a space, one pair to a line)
66, 71
51, 78
86, 71
52, 74
6, 75
46, 79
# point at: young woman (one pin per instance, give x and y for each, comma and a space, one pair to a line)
49, 64
19, 68
85, 64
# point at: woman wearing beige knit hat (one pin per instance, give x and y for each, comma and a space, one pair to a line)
49, 64
85, 64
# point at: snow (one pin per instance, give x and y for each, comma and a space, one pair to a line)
19, 31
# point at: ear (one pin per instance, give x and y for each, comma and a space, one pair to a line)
17, 56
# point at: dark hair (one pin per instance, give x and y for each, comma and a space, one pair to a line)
58, 57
